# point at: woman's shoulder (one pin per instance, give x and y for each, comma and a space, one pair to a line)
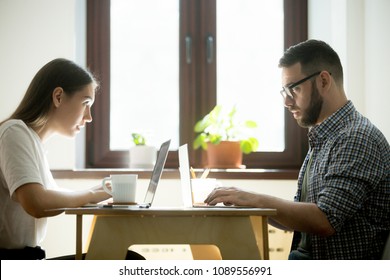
19, 125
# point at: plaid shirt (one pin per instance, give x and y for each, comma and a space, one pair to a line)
349, 181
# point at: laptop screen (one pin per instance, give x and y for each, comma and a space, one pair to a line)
157, 171
185, 179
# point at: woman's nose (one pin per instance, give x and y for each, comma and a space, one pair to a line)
88, 115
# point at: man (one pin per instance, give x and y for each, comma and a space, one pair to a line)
342, 206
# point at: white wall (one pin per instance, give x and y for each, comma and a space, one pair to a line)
359, 31
377, 61
34, 32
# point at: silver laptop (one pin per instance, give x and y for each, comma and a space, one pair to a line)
185, 180
156, 176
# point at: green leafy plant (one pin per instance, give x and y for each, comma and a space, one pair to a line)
221, 125
138, 139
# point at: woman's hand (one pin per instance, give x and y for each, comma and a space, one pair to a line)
99, 194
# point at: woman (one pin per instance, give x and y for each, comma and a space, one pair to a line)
58, 101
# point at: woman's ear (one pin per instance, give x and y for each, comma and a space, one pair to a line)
58, 95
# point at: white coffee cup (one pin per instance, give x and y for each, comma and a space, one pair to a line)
201, 188
123, 187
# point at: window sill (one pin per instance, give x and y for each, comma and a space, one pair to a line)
252, 174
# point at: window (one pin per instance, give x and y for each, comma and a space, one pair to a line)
162, 71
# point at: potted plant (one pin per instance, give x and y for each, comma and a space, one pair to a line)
223, 130
142, 155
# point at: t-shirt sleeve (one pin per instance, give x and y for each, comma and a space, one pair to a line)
19, 158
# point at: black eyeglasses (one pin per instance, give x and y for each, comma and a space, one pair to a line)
288, 91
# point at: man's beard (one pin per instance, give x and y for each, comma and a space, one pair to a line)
310, 116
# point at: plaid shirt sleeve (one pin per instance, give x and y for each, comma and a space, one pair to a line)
352, 171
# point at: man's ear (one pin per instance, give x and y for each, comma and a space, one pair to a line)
58, 95
326, 80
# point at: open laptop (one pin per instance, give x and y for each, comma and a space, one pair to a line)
185, 180
156, 176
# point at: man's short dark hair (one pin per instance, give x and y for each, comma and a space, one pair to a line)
314, 55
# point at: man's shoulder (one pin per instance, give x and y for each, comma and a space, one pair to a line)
358, 135
360, 126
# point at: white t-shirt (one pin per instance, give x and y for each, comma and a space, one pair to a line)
22, 160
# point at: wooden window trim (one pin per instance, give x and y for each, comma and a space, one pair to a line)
98, 153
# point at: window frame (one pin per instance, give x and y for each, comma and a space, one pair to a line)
197, 86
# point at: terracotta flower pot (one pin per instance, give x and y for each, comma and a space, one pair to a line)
226, 154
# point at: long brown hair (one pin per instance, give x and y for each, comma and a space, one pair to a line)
37, 101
